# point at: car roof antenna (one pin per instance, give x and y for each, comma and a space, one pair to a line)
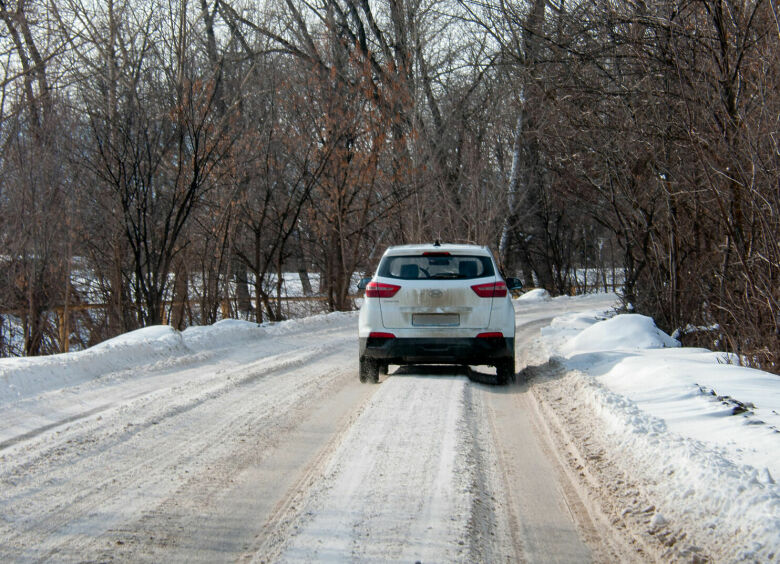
436, 243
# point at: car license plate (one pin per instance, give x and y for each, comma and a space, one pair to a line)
435, 319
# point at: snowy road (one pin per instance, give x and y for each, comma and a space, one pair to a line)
271, 450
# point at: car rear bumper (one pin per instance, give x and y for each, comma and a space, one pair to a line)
437, 350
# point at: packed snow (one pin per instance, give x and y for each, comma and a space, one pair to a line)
366, 469
702, 433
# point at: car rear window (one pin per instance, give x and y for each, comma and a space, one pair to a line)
441, 267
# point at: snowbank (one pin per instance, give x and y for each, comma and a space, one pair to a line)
222, 334
536, 295
159, 345
705, 435
24, 377
622, 332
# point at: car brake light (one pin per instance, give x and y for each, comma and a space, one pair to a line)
490, 290
381, 290
377, 335
493, 335
436, 254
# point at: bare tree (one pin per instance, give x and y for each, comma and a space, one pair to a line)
35, 179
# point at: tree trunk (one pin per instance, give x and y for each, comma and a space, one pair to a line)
242, 289
507, 250
65, 321
180, 295
300, 264
526, 179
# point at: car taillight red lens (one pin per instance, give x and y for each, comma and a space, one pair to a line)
490, 290
377, 335
381, 290
493, 335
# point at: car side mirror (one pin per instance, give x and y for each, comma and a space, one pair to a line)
513, 284
363, 283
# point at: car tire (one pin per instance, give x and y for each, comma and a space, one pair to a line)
505, 371
369, 370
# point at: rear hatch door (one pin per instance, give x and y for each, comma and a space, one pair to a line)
436, 291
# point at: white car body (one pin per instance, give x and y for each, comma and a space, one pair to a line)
437, 304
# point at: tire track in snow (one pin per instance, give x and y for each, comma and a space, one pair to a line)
72, 488
399, 487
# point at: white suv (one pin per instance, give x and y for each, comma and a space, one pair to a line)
437, 304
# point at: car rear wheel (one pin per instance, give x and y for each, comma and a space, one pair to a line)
505, 371
369, 370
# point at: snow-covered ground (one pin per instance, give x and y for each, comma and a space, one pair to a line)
149, 348
118, 451
365, 465
699, 438
703, 435
41, 392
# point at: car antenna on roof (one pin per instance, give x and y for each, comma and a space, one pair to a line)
436, 243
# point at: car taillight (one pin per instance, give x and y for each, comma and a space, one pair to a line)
492, 335
378, 335
490, 290
381, 290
